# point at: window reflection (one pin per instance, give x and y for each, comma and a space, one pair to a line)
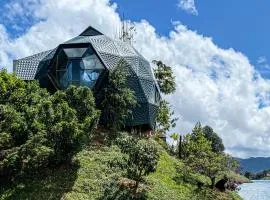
81, 71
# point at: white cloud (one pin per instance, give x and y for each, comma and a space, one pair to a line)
262, 60
218, 87
188, 6
263, 66
229, 101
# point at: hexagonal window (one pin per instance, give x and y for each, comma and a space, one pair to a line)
83, 71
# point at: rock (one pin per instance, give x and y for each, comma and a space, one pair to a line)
221, 184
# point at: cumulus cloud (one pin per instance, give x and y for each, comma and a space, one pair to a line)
215, 86
55, 22
188, 6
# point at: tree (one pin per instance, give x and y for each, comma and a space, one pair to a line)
198, 154
165, 119
165, 78
216, 141
248, 175
167, 85
175, 137
232, 164
141, 157
119, 99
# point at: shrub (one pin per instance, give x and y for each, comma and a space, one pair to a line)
119, 99
141, 160
38, 129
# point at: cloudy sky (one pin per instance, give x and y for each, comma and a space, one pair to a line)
219, 52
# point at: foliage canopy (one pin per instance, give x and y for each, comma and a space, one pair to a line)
141, 158
198, 154
119, 99
216, 142
38, 129
165, 78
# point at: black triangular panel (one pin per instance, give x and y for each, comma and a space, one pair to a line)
90, 31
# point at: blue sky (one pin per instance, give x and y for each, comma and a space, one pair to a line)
239, 24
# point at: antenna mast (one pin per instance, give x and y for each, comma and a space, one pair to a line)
127, 31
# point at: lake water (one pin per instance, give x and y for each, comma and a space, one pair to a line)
258, 190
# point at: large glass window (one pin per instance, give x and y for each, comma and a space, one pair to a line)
83, 71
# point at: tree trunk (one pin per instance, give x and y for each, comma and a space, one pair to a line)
180, 147
213, 179
137, 181
136, 187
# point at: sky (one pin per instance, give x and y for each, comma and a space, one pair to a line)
218, 51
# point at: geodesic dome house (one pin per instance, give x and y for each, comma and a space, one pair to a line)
86, 60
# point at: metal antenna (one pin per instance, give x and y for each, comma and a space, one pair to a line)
127, 31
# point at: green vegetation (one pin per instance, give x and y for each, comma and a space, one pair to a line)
88, 177
263, 175
199, 153
38, 129
141, 160
118, 99
165, 119
216, 141
165, 77
51, 148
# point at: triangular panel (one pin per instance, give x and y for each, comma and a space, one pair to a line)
110, 60
104, 44
75, 52
90, 31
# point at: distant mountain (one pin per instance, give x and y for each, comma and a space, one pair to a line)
254, 164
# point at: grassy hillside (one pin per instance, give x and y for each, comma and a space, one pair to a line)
86, 177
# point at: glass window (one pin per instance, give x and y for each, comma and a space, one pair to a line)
64, 80
62, 60
75, 52
76, 69
80, 71
89, 78
92, 62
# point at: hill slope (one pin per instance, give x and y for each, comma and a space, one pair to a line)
86, 177
254, 164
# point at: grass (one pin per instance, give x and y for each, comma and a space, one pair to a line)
164, 184
89, 171
84, 180
238, 178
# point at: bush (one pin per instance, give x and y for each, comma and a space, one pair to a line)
38, 129
122, 190
141, 157
119, 99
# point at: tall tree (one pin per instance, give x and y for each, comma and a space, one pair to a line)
216, 141
165, 118
119, 99
166, 81
198, 154
165, 78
